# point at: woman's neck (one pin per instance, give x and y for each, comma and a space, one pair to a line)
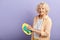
41, 16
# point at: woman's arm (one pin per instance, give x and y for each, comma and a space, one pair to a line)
45, 31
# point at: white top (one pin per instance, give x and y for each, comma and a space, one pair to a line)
37, 26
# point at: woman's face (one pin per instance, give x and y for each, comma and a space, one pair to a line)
41, 10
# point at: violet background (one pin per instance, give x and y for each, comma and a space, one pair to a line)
13, 13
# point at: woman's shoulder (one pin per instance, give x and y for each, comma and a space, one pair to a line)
35, 17
48, 19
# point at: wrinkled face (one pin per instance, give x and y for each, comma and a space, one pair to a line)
41, 9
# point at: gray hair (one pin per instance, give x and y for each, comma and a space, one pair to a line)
45, 4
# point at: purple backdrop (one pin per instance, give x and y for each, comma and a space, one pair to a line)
15, 12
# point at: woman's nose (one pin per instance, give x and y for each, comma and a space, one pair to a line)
41, 10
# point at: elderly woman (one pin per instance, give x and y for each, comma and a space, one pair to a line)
42, 23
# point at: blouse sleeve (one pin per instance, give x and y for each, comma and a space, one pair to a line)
46, 28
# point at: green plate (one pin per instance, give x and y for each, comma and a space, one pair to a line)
25, 30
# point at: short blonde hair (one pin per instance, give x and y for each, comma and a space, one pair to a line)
44, 4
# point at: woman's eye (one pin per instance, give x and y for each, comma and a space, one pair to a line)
39, 8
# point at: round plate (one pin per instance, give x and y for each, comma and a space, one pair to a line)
25, 30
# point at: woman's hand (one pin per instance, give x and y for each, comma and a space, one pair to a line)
29, 27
